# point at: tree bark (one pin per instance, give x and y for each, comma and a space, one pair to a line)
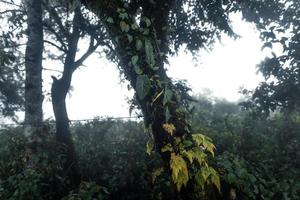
59, 91
33, 64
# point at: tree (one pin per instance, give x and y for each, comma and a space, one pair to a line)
80, 26
144, 33
33, 65
11, 98
11, 67
63, 30
280, 27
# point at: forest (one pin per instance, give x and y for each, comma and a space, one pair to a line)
182, 145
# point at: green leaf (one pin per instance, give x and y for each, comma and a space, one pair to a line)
143, 86
134, 26
123, 15
215, 179
199, 156
168, 114
150, 60
167, 147
205, 142
124, 26
136, 67
147, 21
189, 155
167, 96
130, 38
110, 20
187, 143
138, 45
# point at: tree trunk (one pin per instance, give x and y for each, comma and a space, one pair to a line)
59, 91
33, 65
156, 110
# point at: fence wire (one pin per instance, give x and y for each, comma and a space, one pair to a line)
71, 121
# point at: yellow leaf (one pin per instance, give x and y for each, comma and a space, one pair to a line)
215, 179
205, 142
169, 128
180, 174
189, 155
167, 147
149, 147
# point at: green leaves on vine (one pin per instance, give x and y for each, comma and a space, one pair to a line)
150, 60
207, 175
143, 86
168, 94
124, 26
136, 67
138, 45
205, 142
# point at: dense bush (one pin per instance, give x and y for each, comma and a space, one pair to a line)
257, 157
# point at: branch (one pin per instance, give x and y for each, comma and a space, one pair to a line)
58, 37
89, 51
57, 19
55, 45
10, 3
11, 11
53, 70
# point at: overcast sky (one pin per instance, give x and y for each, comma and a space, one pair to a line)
229, 66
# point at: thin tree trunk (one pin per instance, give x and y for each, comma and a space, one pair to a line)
59, 91
33, 64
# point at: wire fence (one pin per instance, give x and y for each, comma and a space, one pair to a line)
8, 125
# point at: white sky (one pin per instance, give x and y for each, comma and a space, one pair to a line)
230, 65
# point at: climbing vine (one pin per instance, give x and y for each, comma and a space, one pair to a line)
142, 61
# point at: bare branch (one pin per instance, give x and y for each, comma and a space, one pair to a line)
53, 70
89, 51
55, 45
12, 11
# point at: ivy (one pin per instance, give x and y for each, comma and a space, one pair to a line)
167, 96
136, 67
143, 86
124, 26
149, 147
150, 60
169, 128
138, 45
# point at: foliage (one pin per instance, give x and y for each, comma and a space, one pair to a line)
255, 158
11, 77
279, 28
87, 191
27, 175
